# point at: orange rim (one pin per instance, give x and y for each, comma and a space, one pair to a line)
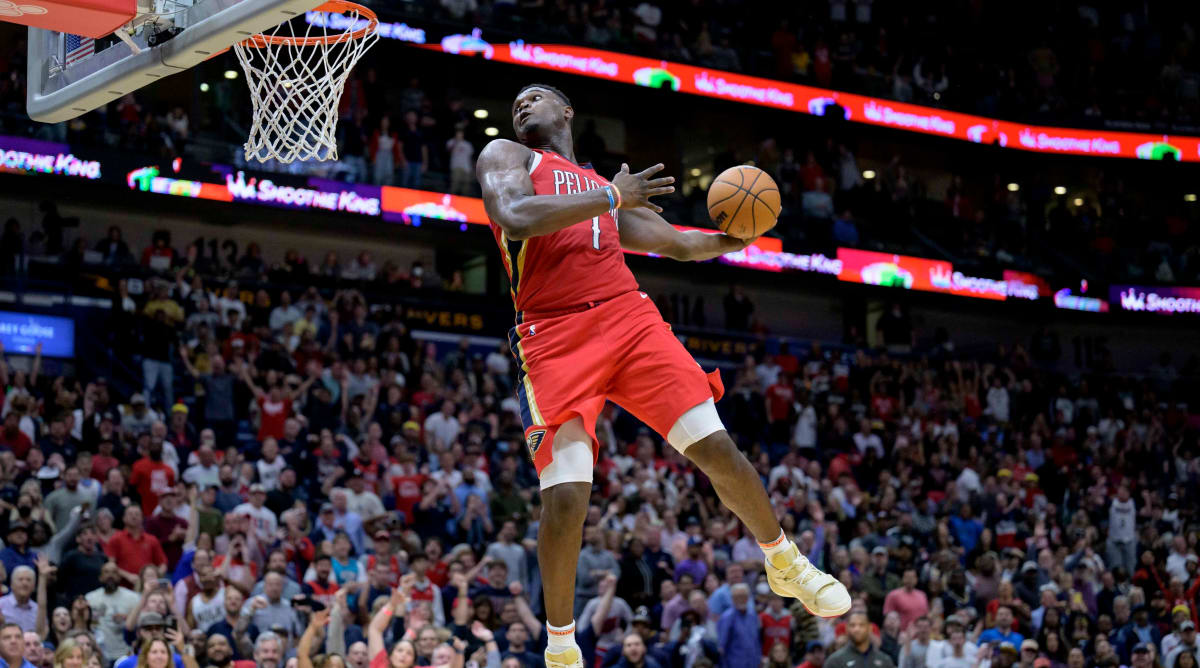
333, 7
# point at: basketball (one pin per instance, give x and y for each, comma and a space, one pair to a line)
744, 202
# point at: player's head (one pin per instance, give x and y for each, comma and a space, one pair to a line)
539, 112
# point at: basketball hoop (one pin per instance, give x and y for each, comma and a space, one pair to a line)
296, 77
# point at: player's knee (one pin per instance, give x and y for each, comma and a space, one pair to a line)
699, 423
572, 458
566, 502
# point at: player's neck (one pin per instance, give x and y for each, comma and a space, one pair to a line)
561, 145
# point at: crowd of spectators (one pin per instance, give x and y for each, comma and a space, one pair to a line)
1086, 63
292, 462
418, 132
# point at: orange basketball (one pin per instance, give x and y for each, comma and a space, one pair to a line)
744, 202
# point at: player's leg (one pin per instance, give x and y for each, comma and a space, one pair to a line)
737, 483
659, 382
562, 372
566, 488
699, 435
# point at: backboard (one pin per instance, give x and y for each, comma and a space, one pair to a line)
180, 34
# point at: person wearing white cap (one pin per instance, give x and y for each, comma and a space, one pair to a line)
1186, 643
262, 519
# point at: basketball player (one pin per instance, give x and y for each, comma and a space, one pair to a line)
585, 334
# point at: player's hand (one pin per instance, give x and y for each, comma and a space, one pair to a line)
637, 189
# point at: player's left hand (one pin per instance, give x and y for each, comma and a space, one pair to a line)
737, 244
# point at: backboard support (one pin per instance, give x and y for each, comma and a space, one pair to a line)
59, 93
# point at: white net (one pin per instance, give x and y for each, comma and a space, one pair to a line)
296, 75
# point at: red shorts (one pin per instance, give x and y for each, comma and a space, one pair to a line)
622, 350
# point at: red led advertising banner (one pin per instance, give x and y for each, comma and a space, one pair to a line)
917, 273
694, 80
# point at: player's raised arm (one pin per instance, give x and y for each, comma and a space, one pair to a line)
645, 231
508, 196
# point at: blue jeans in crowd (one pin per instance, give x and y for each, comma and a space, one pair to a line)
157, 373
410, 176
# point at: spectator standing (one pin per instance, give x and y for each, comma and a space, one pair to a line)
462, 167
270, 610
1121, 546
111, 603
738, 632
132, 549
415, 149
262, 521
914, 644
595, 562
84, 564
954, 652
738, 309
151, 477
158, 335
1002, 630
859, 650
18, 605
385, 152
166, 526
910, 602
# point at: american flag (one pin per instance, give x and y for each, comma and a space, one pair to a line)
78, 48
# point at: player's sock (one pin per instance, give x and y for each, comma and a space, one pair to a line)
560, 637
777, 546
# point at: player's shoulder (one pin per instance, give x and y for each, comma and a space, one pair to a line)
503, 154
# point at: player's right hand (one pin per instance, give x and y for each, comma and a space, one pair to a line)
637, 189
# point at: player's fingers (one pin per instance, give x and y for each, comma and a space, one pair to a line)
660, 191
624, 168
651, 171
665, 181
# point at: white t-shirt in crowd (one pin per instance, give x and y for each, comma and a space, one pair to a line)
1122, 518
207, 613
268, 472
262, 519
105, 607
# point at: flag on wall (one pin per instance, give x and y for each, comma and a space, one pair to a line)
78, 48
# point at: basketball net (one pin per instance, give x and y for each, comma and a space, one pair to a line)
296, 73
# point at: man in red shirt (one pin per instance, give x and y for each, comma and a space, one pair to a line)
780, 398
776, 624
274, 405
167, 527
103, 461
12, 437
408, 485
151, 477
132, 548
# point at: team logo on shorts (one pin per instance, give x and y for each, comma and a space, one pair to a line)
535, 440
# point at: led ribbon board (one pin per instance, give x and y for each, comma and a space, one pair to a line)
680, 78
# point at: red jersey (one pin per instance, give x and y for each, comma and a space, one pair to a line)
575, 265
408, 493
273, 416
150, 478
775, 630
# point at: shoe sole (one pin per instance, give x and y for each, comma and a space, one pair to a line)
814, 613
837, 613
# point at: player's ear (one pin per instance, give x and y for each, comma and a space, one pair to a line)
568, 113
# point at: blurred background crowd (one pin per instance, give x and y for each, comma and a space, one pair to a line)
257, 452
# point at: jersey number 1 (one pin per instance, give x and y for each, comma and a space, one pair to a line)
596, 233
